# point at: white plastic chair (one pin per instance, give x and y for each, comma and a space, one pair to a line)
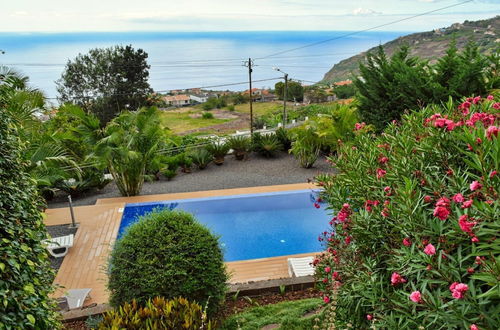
298, 267
76, 297
63, 242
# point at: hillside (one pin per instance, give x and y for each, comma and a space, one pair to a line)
428, 45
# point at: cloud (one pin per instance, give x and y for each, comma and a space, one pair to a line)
20, 13
365, 12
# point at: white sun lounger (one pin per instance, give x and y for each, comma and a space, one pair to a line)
298, 267
76, 297
63, 242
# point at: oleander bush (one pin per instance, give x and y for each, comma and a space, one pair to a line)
158, 313
167, 254
25, 273
414, 240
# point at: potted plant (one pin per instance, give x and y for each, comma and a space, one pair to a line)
240, 145
185, 162
219, 150
269, 145
201, 157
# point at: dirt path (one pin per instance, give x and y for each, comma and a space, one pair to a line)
242, 122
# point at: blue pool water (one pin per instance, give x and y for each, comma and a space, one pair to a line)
251, 226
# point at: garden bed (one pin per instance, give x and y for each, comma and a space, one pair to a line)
237, 304
252, 172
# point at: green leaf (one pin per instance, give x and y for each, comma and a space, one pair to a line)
31, 318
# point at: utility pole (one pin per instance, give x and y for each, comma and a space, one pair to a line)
285, 94
284, 100
249, 65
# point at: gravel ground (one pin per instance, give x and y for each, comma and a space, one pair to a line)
57, 231
254, 171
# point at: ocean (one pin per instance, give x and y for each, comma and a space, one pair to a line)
192, 59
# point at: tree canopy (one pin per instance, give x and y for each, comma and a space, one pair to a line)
295, 91
106, 81
388, 87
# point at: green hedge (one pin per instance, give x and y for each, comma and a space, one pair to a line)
168, 254
26, 276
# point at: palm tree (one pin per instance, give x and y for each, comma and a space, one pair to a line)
131, 141
48, 160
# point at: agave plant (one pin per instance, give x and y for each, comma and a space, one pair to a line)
269, 145
201, 157
219, 150
240, 145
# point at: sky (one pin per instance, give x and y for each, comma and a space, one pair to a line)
233, 15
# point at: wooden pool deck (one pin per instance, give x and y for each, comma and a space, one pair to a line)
85, 264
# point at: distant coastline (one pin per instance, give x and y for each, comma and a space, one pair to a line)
188, 59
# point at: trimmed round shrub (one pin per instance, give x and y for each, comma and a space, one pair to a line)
158, 313
168, 254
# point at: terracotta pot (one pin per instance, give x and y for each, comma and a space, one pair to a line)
219, 160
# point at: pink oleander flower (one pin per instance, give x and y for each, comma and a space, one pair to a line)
397, 279
441, 212
430, 250
348, 240
490, 97
470, 270
464, 224
316, 205
406, 241
476, 100
492, 131
381, 173
458, 198
383, 160
473, 326
335, 275
493, 173
385, 212
359, 126
327, 269
443, 201
475, 185
427, 199
326, 299
387, 189
416, 297
496, 106
458, 290
369, 317
467, 204
474, 239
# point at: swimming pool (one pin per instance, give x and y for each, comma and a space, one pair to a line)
252, 226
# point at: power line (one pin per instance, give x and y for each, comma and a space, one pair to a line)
186, 62
166, 90
361, 31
